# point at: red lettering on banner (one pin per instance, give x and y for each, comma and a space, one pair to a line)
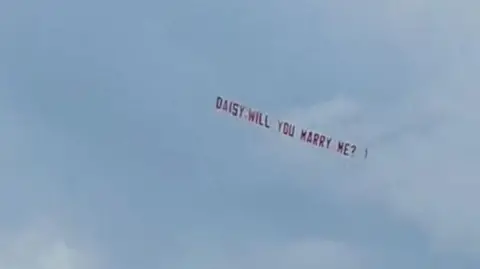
264, 120
251, 115
219, 102
288, 129
315, 138
242, 109
310, 137
306, 136
345, 152
354, 148
231, 107
225, 106
340, 147
322, 141
303, 135
234, 109
258, 118
329, 140
343, 148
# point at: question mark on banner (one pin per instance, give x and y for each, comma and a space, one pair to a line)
354, 148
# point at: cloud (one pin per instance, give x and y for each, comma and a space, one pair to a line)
32, 177
424, 150
112, 163
312, 254
301, 254
42, 247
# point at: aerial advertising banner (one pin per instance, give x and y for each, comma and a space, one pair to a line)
316, 139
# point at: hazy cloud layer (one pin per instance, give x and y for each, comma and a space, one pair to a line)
108, 128
423, 151
41, 246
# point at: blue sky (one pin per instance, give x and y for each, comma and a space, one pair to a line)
113, 155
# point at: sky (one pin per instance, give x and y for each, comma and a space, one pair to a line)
114, 157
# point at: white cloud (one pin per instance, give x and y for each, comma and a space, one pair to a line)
427, 171
311, 254
280, 255
42, 247
424, 157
